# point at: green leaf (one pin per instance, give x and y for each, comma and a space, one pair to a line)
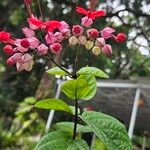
57, 140
92, 86
78, 144
56, 71
60, 140
73, 110
68, 127
109, 130
98, 145
92, 71
75, 88
54, 104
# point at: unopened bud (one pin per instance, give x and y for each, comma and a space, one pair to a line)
89, 45
96, 50
73, 40
100, 42
82, 40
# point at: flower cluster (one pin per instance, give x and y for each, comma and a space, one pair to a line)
46, 38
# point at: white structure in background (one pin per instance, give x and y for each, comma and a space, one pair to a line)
51, 113
110, 84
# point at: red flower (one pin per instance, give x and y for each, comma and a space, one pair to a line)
52, 25
24, 43
34, 23
28, 1
4, 37
93, 15
121, 37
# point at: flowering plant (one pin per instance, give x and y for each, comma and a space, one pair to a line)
46, 39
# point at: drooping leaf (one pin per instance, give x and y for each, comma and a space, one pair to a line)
92, 71
92, 86
60, 140
53, 104
56, 71
68, 127
109, 130
75, 88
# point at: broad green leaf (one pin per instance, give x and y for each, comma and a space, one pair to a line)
92, 86
68, 127
54, 104
75, 88
78, 144
92, 71
57, 140
109, 130
56, 71
60, 140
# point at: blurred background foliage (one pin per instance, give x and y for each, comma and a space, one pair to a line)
131, 58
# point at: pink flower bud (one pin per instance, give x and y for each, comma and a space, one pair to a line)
43, 49
82, 40
100, 42
8, 49
107, 32
77, 30
63, 26
26, 63
25, 66
34, 42
106, 49
121, 37
66, 33
28, 32
17, 57
73, 40
22, 45
50, 38
92, 33
56, 48
26, 57
59, 37
87, 22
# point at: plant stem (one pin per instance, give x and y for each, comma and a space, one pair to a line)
52, 59
40, 9
76, 99
76, 118
61, 68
